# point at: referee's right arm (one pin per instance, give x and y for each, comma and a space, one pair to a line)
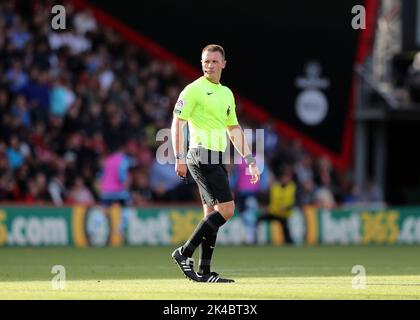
177, 133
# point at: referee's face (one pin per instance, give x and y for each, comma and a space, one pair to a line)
212, 64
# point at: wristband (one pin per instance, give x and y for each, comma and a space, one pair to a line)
180, 156
249, 159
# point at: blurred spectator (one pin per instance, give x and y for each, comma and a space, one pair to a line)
282, 200
76, 42
20, 111
324, 198
41, 186
37, 91
84, 22
41, 54
22, 177
325, 177
282, 157
4, 102
296, 151
247, 195
61, 97
140, 189
166, 185
303, 168
372, 194
57, 188
4, 186
80, 194
16, 77
14, 153
145, 155
271, 138
18, 34
5, 168
6, 174
413, 79
105, 77
37, 190
32, 194
114, 132
115, 180
306, 194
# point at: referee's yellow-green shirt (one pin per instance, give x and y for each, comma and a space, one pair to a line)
209, 108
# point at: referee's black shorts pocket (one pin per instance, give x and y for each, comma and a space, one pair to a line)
212, 181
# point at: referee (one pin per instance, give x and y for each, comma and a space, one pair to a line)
209, 109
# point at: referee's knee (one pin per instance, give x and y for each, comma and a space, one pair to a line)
226, 209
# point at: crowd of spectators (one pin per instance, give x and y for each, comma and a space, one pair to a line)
70, 98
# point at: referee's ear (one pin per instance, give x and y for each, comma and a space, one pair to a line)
223, 64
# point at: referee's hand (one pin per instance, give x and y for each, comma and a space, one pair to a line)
181, 169
255, 173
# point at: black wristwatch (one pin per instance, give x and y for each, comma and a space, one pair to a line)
180, 156
249, 159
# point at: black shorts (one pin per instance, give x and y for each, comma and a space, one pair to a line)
211, 178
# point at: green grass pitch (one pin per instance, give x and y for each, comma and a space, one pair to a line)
266, 272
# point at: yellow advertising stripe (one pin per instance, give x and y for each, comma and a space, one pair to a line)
78, 221
311, 225
116, 239
277, 236
183, 224
3, 228
394, 230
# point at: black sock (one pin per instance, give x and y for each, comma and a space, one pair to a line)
206, 253
206, 227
